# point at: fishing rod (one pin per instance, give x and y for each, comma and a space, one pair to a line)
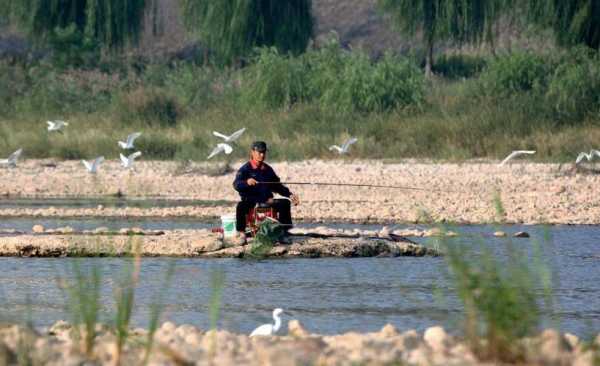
356, 185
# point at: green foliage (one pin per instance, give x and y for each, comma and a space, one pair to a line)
499, 297
232, 28
107, 23
150, 105
516, 72
574, 89
84, 299
335, 79
269, 232
459, 66
575, 22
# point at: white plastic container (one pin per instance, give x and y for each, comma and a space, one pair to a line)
228, 225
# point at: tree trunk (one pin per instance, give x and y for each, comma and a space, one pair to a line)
429, 59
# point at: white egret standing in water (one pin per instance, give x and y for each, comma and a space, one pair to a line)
269, 329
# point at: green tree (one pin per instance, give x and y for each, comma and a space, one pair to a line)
105, 23
573, 21
462, 21
232, 28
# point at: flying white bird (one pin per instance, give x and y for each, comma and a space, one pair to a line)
269, 329
92, 166
127, 162
222, 147
515, 153
130, 139
589, 156
231, 138
56, 125
12, 159
344, 148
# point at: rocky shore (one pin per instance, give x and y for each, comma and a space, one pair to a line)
62, 344
467, 192
202, 243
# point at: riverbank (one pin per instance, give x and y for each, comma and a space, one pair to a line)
473, 192
185, 345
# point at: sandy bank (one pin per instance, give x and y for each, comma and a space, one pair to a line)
462, 193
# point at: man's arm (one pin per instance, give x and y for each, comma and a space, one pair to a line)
240, 183
279, 188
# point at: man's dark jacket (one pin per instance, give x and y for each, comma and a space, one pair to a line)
259, 193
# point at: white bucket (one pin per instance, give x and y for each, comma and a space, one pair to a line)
228, 225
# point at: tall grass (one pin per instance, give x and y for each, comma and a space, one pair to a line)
500, 292
302, 104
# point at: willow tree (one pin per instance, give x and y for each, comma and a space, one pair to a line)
107, 23
461, 21
573, 21
232, 28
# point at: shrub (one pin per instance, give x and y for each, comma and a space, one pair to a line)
150, 105
459, 66
344, 81
157, 146
274, 80
517, 72
574, 89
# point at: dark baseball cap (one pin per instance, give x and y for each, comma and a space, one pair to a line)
259, 146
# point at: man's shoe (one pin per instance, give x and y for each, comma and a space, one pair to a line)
239, 239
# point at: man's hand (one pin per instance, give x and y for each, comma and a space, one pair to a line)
295, 199
251, 182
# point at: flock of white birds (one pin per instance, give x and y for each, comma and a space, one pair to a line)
127, 161
225, 147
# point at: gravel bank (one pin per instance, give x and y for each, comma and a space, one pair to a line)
462, 193
187, 345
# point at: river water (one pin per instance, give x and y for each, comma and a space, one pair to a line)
328, 295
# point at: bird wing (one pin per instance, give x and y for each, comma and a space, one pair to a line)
131, 138
14, 156
87, 165
220, 135
236, 135
124, 160
122, 144
580, 157
347, 144
516, 153
215, 151
134, 155
97, 162
226, 148
263, 330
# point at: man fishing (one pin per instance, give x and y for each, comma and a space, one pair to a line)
256, 181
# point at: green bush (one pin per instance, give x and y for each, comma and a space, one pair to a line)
334, 78
517, 72
459, 66
574, 89
157, 146
150, 105
274, 80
